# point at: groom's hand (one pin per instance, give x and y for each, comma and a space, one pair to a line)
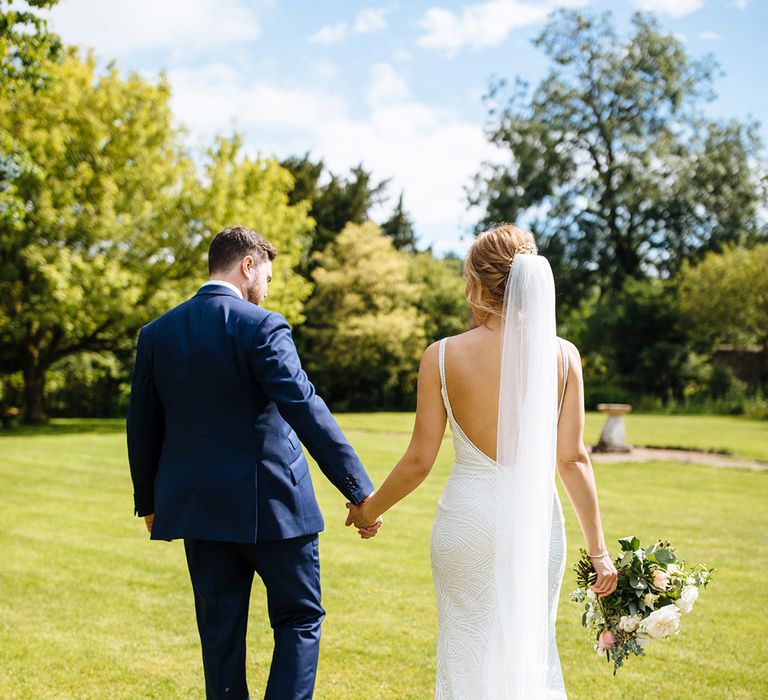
149, 521
367, 526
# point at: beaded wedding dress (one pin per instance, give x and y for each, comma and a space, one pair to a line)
498, 541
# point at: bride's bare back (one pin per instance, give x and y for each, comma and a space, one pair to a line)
472, 374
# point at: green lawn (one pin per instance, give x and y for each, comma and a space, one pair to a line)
91, 609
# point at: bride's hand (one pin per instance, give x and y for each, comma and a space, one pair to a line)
607, 576
367, 525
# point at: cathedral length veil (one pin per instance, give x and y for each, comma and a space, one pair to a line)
526, 442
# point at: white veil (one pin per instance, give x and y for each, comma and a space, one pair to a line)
526, 442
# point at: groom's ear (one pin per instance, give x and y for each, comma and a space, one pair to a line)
247, 265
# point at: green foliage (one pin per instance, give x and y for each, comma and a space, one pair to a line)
256, 193
724, 298
634, 344
399, 228
364, 332
26, 45
440, 299
92, 251
26, 48
613, 163
333, 204
88, 385
116, 221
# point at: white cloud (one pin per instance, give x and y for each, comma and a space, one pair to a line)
673, 8
709, 36
741, 4
121, 27
331, 34
386, 85
430, 153
367, 21
370, 20
484, 24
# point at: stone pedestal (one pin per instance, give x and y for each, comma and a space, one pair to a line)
613, 438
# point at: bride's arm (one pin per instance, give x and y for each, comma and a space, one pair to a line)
575, 469
417, 462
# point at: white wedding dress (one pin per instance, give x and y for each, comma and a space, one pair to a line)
463, 548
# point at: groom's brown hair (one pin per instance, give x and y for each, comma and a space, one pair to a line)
231, 245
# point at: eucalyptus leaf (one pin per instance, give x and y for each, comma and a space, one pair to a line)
664, 556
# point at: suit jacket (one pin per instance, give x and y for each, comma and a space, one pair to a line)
219, 405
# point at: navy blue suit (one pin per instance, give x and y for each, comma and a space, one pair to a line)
219, 406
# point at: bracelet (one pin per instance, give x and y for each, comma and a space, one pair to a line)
599, 556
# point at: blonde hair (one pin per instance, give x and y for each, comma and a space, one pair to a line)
487, 264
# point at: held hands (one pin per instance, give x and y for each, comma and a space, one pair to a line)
360, 516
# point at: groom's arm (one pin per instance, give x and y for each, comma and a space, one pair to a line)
145, 427
278, 370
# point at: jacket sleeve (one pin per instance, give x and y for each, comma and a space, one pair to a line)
278, 370
145, 427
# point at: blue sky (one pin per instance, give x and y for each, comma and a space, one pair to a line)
394, 85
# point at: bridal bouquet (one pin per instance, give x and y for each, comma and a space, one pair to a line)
653, 591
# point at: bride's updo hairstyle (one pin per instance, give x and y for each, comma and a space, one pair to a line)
486, 267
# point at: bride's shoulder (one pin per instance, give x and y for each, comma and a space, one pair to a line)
458, 339
574, 357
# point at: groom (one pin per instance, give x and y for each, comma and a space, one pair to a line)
219, 406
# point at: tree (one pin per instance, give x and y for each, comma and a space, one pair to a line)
399, 228
257, 193
26, 45
364, 333
636, 343
612, 161
334, 204
441, 299
116, 222
725, 299
26, 48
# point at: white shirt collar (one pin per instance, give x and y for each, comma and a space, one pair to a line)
229, 285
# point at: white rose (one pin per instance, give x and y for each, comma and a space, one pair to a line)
688, 597
628, 623
672, 568
662, 622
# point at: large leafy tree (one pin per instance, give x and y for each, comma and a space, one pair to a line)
611, 162
116, 221
93, 247
364, 332
725, 299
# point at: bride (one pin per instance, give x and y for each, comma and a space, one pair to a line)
513, 394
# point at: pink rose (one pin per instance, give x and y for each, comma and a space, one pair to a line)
660, 579
605, 640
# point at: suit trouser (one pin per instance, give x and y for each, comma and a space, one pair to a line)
222, 575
